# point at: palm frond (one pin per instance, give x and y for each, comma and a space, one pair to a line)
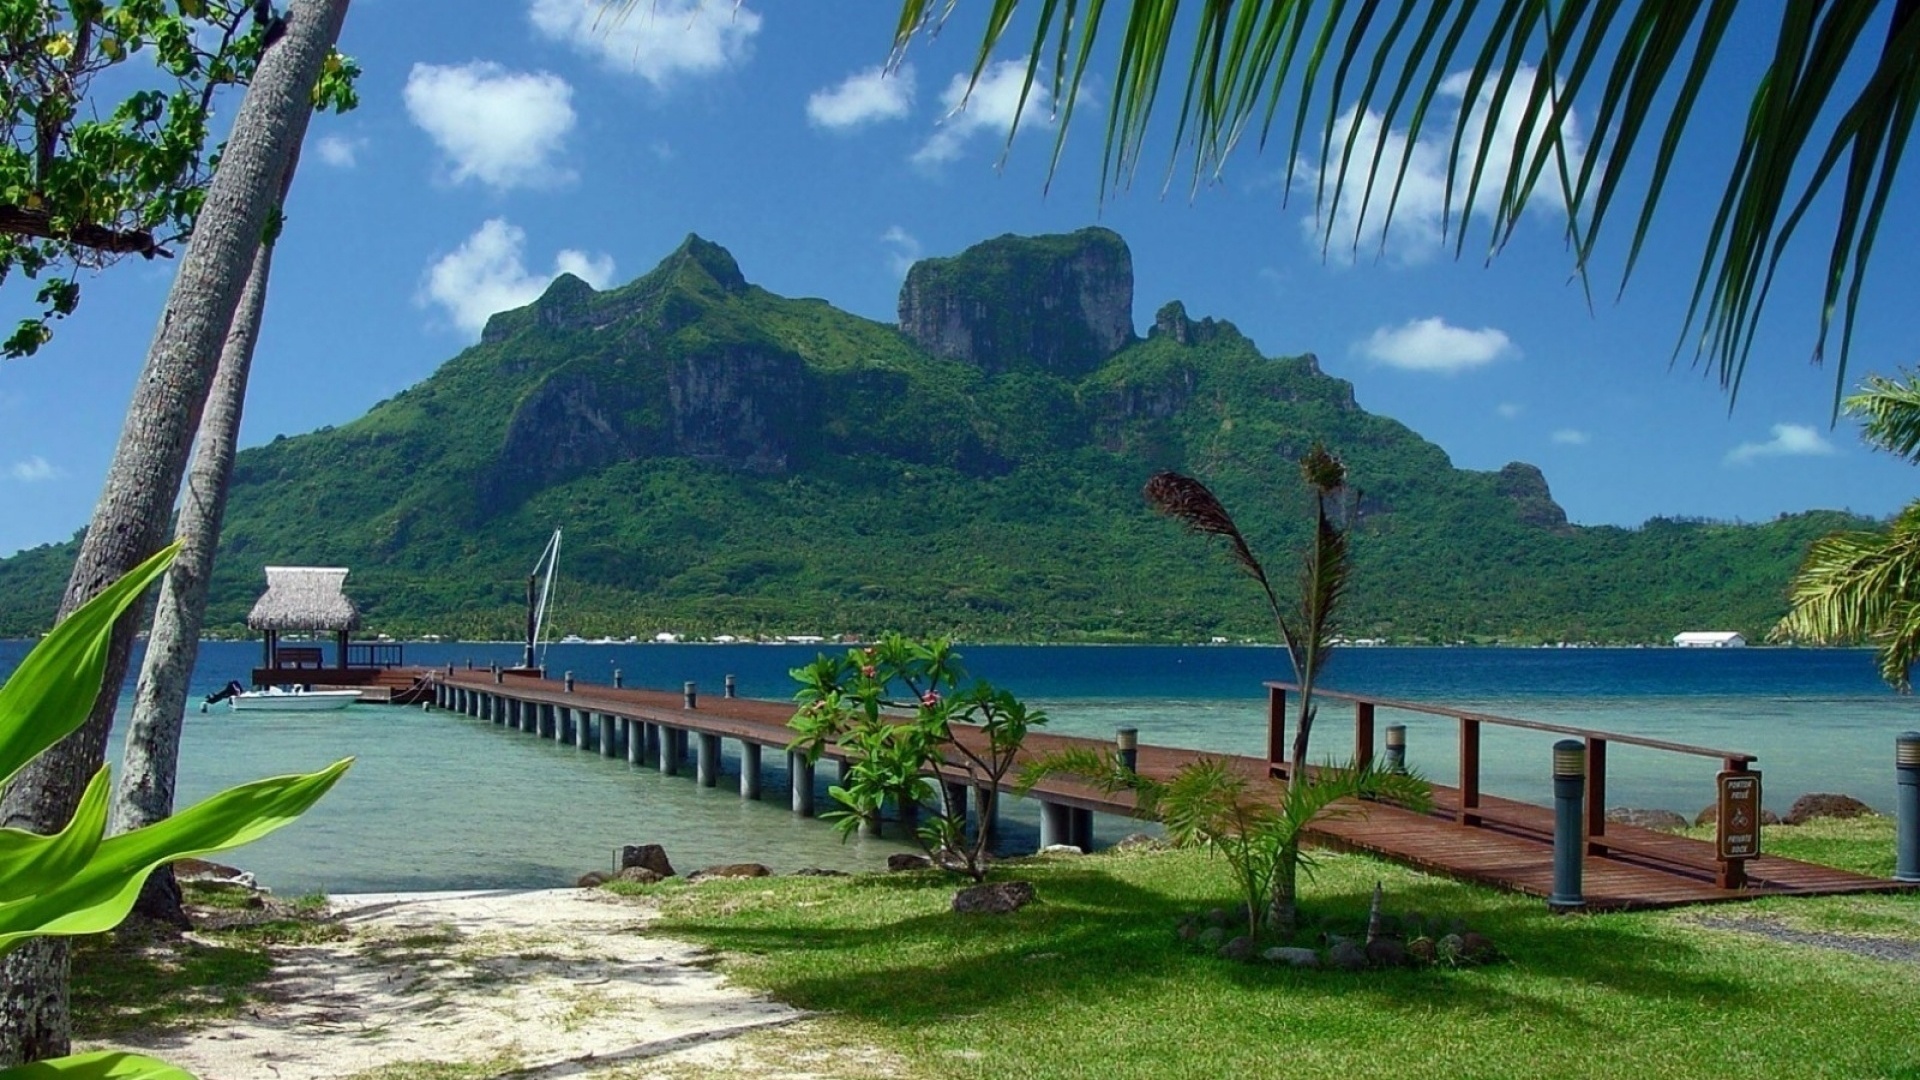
1890, 413
1193, 504
1830, 115
1861, 586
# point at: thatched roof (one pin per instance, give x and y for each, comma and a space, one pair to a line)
304, 598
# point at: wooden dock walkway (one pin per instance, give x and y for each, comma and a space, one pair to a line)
1467, 835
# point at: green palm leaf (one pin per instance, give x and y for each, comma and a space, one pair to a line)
1829, 116
99, 1065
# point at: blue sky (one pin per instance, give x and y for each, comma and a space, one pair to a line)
492, 151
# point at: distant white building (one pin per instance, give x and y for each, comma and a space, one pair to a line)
1709, 639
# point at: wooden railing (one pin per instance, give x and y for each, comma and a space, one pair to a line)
1729, 874
380, 654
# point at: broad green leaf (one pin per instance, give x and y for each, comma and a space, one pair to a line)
53, 689
102, 893
99, 1065
31, 863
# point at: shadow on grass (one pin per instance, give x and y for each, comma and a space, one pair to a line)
134, 982
1093, 935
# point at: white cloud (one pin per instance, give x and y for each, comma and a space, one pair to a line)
989, 109
903, 249
486, 274
1789, 440
657, 40
1415, 233
34, 470
1434, 345
496, 126
1572, 437
1507, 410
340, 151
863, 97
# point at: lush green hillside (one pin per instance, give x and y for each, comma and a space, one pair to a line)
724, 460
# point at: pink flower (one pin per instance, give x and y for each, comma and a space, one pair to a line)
930, 699
867, 670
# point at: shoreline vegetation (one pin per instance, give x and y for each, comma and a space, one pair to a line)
1092, 978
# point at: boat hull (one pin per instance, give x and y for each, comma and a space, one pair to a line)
293, 701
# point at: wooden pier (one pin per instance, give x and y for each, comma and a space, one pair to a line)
1467, 835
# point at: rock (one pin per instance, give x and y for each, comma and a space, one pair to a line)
1211, 938
731, 870
1059, 304
1347, 956
1420, 950
815, 871
592, 879
993, 898
1526, 487
1305, 958
1386, 952
638, 875
1449, 948
1060, 849
202, 872
904, 860
1477, 948
1139, 842
1219, 917
1186, 931
1712, 814
1240, 949
651, 856
1807, 807
1664, 820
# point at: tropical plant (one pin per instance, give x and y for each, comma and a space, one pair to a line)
1834, 100
130, 521
86, 179
1209, 803
898, 713
1325, 569
79, 880
1864, 585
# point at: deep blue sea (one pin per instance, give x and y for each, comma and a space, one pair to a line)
440, 801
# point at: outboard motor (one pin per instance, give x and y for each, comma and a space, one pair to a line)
232, 688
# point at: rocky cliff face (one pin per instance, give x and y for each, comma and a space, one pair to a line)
1060, 304
1526, 486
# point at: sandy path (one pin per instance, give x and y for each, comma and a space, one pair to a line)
551, 982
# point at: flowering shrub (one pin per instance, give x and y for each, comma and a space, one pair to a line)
897, 713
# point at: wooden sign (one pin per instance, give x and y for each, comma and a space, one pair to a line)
1739, 824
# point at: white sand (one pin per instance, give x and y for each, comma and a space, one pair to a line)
554, 982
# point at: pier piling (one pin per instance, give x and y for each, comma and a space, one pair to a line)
707, 763
749, 770
800, 776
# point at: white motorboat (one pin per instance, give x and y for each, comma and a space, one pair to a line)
291, 699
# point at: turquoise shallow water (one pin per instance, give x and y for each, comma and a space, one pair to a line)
440, 801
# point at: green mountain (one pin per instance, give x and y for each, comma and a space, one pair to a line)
725, 460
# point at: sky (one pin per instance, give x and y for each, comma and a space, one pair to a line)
493, 151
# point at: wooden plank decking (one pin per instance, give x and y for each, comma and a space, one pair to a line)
1511, 846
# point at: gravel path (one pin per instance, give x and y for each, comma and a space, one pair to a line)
1895, 950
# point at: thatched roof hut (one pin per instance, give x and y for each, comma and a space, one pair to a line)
305, 598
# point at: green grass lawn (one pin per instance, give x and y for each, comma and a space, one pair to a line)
1091, 981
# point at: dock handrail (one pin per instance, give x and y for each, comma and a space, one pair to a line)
1730, 874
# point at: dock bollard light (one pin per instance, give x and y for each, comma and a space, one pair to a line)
692, 695
1569, 792
1396, 748
1906, 760
727, 688
569, 678
616, 678
1126, 743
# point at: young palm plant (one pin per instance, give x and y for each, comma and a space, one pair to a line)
1865, 585
1209, 803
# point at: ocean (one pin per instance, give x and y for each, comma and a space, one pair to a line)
439, 801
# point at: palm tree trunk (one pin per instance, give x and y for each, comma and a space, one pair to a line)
130, 521
150, 762
1283, 913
